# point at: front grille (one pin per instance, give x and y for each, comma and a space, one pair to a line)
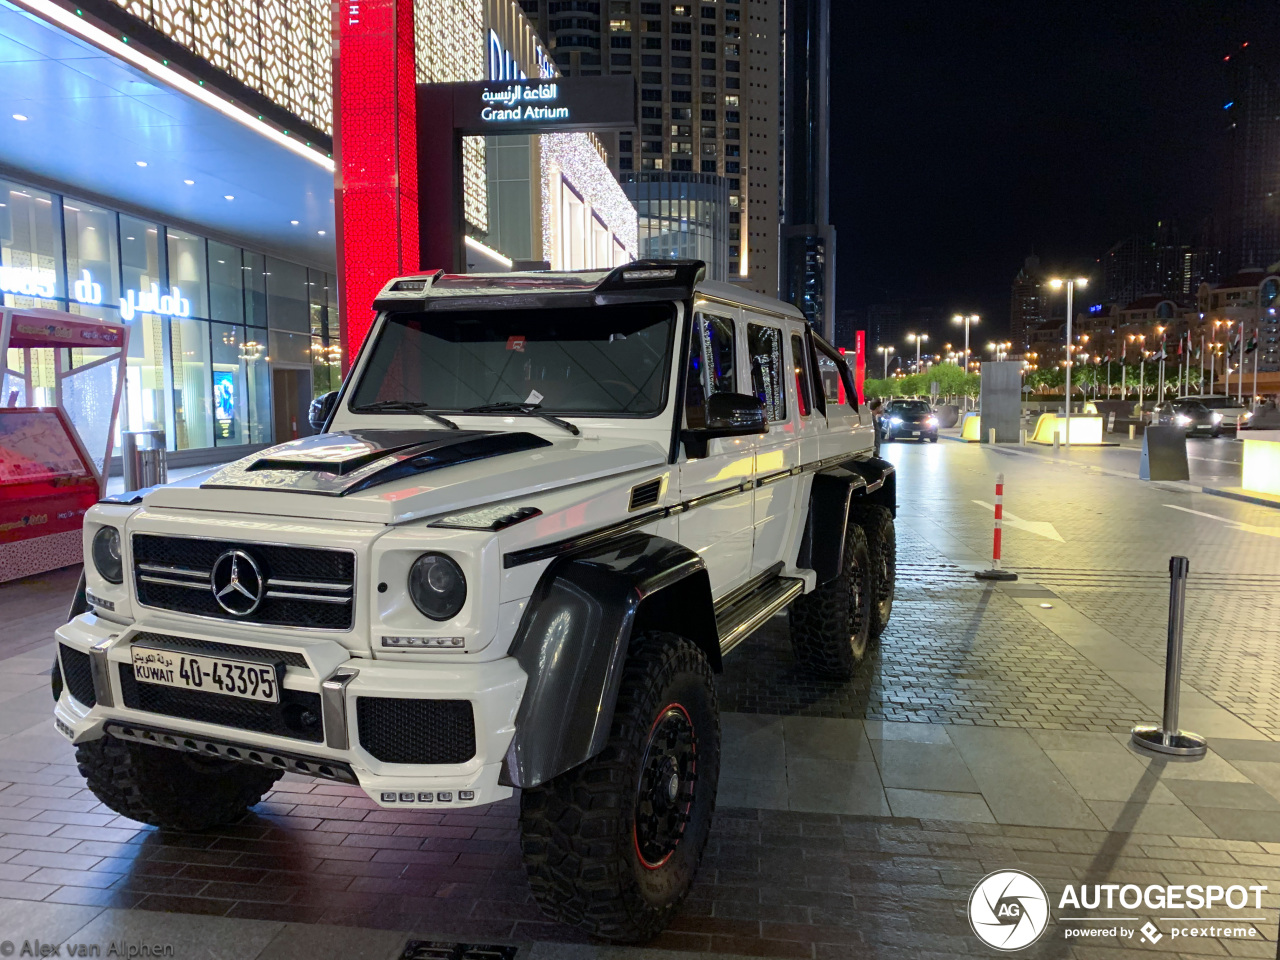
212, 648
77, 674
304, 586
297, 715
398, 730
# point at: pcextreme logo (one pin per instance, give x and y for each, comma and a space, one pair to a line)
1009, 910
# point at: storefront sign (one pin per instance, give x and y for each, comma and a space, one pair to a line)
27, 282
85, 290
556, 105
171, 304
522, 101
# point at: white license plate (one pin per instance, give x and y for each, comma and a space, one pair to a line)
233, 678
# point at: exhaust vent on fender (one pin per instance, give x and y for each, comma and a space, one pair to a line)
645, 494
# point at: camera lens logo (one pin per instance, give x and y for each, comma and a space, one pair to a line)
1008, 910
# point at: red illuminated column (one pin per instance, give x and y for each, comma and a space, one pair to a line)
860, 362
375, 150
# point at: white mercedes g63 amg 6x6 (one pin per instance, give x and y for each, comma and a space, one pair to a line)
536, 516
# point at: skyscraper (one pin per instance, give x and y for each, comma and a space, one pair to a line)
808, 238
707, 79
1251, 224
1029, 303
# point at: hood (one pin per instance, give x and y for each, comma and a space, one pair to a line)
338, 464
393, 476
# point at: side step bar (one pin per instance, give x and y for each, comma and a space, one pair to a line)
746, 614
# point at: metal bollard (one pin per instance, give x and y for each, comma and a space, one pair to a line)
1022, 437
1167, 738
1133, 431
991, 436
1057, 440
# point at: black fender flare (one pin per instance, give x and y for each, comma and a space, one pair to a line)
835, 490
574, 637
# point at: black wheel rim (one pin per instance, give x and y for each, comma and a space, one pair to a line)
857, 608
668, 775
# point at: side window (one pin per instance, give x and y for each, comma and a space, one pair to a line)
801, 357
764, 348
833, 374
711, 365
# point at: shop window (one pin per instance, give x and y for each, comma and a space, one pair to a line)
287, 296
231, 411
191, 378
187, 270
93, 254
30, 248
226, 283
255, 289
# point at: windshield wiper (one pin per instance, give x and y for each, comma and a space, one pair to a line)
405, 406
525, 409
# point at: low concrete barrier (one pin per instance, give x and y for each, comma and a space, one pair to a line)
971, 428
1084, 430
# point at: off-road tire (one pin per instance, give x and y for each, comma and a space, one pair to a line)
579, 831
882, 545
831, 627
170, 788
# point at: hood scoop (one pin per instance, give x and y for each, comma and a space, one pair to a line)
337, 464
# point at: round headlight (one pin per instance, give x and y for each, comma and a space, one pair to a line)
437, 586
106, 555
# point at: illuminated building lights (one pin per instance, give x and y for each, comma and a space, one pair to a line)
293, 64
488, 251
575, 157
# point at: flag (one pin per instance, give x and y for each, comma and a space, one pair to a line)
1253, 343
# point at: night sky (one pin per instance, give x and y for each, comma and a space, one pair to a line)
965, 136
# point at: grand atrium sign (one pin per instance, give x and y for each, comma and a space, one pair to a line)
552, 105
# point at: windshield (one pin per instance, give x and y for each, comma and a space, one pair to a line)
908, 406
590, 361
1219, 403
1193, 408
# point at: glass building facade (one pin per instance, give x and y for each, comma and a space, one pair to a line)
681, 216
210, 323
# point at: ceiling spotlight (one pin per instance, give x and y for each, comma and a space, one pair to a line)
19, 116
228, 197
188, 182
141, 163
294, 222
321, 232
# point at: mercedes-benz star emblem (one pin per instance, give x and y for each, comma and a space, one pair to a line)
237, 583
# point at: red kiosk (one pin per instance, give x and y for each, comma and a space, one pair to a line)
60, 389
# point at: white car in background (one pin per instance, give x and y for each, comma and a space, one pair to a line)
1231, 410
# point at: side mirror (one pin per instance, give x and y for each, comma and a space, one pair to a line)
321, 409
728, 415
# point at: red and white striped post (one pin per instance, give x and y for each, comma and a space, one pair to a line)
995, 573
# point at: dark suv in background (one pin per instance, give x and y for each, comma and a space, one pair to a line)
908, 418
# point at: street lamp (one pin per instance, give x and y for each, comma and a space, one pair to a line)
918, 338
966, 319
885, 352
1057, 284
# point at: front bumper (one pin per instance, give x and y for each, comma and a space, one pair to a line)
321, 672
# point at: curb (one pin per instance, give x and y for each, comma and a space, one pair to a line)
1243, 497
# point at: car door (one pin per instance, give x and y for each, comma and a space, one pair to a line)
777, 453
716, 489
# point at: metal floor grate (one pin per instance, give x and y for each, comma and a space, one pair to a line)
442, 950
